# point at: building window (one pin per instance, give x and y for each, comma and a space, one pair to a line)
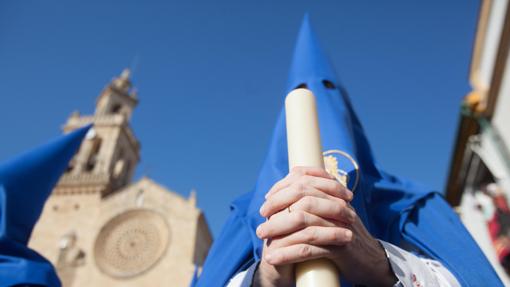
116, 109
93, 156
126, 172
71, 165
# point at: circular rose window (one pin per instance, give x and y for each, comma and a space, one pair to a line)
131, 243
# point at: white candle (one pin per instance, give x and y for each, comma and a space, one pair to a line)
304, 146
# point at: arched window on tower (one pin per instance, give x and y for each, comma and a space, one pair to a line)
93, 156
116, 109
122, 172
71, 165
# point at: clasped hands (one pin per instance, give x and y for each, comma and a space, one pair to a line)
309, 216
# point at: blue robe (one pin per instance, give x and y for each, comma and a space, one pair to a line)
393, 209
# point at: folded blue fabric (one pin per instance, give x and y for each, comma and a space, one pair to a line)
26, 181
393, 209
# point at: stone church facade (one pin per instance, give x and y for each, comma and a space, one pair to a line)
101, 229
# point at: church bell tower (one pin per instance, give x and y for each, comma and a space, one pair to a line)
108, 156
101, 228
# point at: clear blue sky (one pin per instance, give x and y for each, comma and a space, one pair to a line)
211, 76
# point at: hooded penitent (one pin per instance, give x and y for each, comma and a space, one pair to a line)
26, 182
393, 209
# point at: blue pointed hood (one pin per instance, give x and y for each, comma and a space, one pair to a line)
342, 135
309, 61
392, 209
311, 68
26, 182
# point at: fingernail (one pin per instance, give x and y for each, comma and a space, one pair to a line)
262, 210
353, 216
260, 232
348, 234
